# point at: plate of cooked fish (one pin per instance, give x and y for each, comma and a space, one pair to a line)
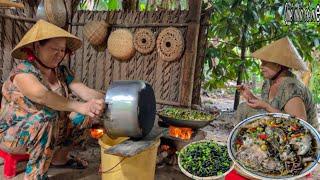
274, 146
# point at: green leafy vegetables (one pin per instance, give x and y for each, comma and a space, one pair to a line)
205, 159
186, 114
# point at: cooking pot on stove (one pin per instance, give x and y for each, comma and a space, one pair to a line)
130, 109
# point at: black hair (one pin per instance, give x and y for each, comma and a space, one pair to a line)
43, 42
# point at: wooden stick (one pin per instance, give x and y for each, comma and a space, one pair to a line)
8, 4
141, 25
190, 55
32, 20
170, 103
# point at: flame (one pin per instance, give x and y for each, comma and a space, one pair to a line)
180, 132
165, 147
96, 132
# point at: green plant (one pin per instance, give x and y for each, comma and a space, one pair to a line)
315, 81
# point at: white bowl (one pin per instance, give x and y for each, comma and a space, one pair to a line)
198, 177
236, 129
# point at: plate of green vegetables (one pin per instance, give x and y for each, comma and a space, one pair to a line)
205, 159
183, 117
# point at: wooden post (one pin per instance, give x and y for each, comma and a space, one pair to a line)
201, 53
189, 62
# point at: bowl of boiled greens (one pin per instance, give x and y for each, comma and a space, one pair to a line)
205, 159
183, 117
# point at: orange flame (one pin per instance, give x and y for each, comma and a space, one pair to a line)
165, 147
96, 133
180, 132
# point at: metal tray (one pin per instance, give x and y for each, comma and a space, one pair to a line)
194, 124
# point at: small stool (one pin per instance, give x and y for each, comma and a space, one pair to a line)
11, 161
233, 175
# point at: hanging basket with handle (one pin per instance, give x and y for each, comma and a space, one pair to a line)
96, 32
53, 11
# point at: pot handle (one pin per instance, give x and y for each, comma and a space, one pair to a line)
108, 105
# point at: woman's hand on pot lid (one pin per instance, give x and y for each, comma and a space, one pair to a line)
93, 108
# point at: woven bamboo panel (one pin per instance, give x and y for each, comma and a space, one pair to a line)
8, 43
99, 69
1, 46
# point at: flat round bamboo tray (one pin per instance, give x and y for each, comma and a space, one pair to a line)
96, 32
202, 178
120, 44
56, 12
144, 41
170, 44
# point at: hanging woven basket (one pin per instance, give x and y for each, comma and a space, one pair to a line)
120, 44
53, 11
96, 32
144, 41
170, 44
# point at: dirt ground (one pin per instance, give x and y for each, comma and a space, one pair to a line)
218, 130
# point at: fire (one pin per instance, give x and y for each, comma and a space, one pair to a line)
180, 132
96, 132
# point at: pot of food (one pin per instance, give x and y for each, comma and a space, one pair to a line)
183, 117
274, 146
131, 109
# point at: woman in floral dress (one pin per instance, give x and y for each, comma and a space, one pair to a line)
38, 117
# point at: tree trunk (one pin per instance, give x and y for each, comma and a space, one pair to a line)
241, 67
129, 4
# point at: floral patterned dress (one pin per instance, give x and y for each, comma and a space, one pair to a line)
289, 88
29, 127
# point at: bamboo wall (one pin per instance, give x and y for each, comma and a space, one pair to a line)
176, 82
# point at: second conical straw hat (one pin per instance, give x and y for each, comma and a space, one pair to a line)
281, 52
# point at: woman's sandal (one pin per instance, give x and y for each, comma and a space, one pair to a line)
73, 163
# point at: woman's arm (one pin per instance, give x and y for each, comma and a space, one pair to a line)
84, 92
271, 109
31, 87
295, 107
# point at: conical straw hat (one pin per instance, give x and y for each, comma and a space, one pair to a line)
8, 4
281, 52
44, 30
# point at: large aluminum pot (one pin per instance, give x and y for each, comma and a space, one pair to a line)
258, 175
131, 109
